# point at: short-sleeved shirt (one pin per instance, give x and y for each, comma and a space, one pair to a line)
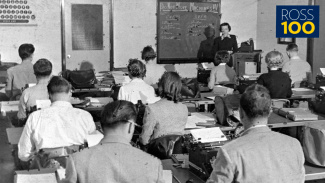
222, 74
136, 90
18, 77
154, 73
297, 69
29, 97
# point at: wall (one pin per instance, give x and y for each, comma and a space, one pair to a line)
46, 36
318, 45
266, 29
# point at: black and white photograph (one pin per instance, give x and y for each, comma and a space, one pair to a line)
162, 91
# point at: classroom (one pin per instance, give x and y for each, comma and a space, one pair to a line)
162, 91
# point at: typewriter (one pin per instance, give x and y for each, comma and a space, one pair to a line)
201, 153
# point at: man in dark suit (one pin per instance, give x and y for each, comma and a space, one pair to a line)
259, 155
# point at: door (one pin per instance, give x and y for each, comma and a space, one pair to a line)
86, 34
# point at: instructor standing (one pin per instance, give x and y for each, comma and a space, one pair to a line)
226, 41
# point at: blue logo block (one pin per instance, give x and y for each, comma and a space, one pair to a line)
297, 21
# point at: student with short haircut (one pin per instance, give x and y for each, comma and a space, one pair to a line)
42, 71
259, 154
296, 67
137, 89
114, 159
168, 115
154, 70
22, 74
222, 73
276, 81
59, 125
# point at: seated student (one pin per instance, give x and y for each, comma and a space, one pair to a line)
154, 70
259, 154
168, 115
296, 67
42, 71
137, 89
114, 159
222, 73
276, 81
60, 125
22, 74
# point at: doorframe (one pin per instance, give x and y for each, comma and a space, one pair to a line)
63, 52
111, 34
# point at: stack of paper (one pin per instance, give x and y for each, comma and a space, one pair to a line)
196, 118
120, 78
207, 135
322, 70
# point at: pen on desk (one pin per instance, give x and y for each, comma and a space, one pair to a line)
176, 179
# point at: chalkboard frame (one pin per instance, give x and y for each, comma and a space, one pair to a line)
176, 60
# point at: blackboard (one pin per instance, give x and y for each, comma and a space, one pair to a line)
180, 28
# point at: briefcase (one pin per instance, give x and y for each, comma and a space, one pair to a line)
80, 79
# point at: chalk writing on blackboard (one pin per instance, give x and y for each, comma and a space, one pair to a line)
181, 27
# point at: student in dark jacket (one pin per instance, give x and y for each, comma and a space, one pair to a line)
276, 81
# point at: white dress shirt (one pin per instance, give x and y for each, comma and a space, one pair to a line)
297, 69
154, 72
136, 90
60, 125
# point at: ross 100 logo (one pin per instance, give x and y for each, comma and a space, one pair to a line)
297, 21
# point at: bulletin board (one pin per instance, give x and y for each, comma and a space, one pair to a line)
17, 12
180, 28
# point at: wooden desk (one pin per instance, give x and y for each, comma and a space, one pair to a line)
180, 173
277, 121
312, 172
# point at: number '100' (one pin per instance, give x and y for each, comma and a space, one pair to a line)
303, 27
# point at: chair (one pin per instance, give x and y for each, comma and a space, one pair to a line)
163, 147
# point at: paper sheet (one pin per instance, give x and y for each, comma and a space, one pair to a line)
35, 178
41, 104
322, 70
197, 117
208, 135
94, 138
168, 176
101, 100
61, 173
